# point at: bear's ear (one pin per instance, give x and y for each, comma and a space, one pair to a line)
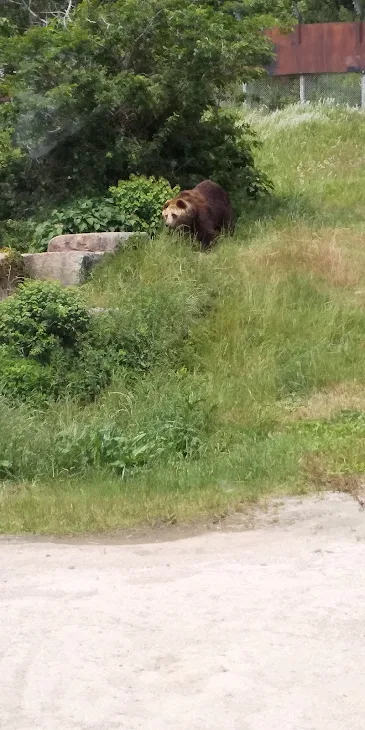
166, 204
181, 204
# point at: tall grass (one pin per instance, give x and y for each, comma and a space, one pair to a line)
254, 357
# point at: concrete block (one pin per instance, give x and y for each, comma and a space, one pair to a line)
69, 268
108, 241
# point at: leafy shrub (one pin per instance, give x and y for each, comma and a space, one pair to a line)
107, 447
140, 200
87, 215
7, 151
10, 168
91, 105
40, 318
151, 328
17, 234
219, 146
23, 378
134, 205
51, 326
82, 375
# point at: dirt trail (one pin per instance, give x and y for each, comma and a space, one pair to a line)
244, 630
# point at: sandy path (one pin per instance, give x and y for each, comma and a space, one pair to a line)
257, 630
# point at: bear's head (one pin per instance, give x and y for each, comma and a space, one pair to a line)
178, 212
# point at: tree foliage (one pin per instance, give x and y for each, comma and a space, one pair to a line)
326, 11
133, 205
126, 87
40, 317
19, 15
289, 12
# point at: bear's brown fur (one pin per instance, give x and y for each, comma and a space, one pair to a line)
205, 211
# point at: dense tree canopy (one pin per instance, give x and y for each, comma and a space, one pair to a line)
101, 89
20, 14
326, 11
23, 13
289, 11
127, 87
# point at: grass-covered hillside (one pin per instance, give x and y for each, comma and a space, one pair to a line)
250, 360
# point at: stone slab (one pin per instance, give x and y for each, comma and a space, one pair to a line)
106, 241
69, 267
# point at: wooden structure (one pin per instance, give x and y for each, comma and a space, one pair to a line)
321, 48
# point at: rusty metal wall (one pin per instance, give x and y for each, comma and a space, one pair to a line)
319, 48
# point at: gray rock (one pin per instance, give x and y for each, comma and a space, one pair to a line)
108, 241
69, 268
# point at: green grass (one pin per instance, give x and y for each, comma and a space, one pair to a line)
254, 383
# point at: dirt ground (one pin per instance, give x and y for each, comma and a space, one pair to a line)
245, 629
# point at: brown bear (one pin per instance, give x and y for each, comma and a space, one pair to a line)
205, 211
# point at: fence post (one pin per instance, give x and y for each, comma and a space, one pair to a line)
302, 88
362, 90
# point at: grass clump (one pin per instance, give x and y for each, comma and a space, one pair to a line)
224, 376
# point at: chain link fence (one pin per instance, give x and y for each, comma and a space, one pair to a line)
276, 92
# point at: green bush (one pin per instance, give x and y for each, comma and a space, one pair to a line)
46, 336
17, 234
11, 168
87, 215
51, 327
107, 447
139, 201
133, 205
40, 318
125, 88
147, 328
219, 146
23, 378
82, 375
